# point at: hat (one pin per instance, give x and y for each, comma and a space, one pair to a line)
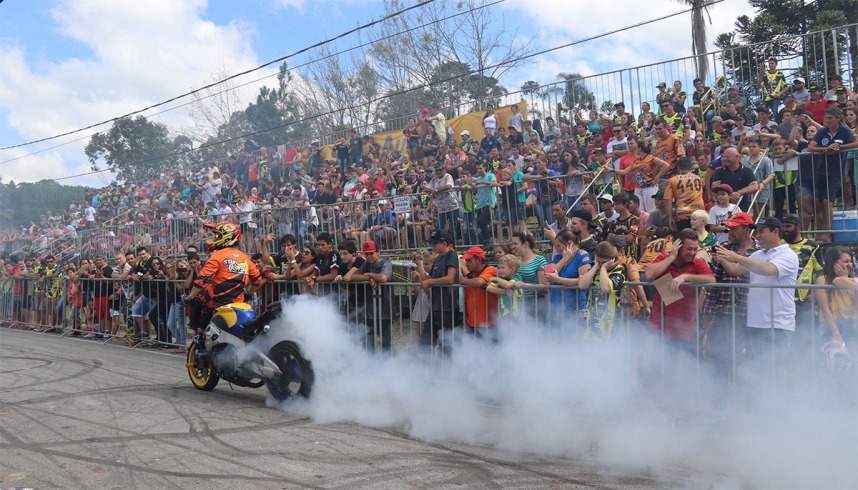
813, 87
606, 197
439, 236
659, 194
739, 116
618, 241
763, 110
661, 85
368, 247
430, 169
425, 109
739, 219
768, 222
792, 219
798, 80
582, 215
840, 90
717, 119
620, 104
465, 133
723, 187
474, 252
528, 157
598, 151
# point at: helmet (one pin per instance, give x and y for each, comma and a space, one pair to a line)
226, 235
836, 357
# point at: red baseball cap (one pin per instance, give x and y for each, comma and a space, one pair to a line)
425, 109
368, 247
723, 187
739, 219
474, 252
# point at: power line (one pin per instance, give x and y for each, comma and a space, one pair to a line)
213, 84
315, 60
418, 87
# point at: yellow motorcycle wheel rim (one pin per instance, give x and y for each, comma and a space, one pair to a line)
198, 376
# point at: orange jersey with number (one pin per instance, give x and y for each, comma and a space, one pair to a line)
652, 250
224, 277
685, 191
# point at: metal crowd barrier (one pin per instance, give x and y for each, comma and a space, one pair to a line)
719, 361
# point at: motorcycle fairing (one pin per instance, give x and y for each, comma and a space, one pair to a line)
233, 316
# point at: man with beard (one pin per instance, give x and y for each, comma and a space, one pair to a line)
727, 308
809, 266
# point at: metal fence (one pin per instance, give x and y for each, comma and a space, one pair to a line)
698, 356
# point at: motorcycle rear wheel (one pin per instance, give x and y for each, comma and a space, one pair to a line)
201, 377
297, 377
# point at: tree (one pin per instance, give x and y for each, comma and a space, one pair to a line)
274, 117
459, 50
780, 29
699, 35
23, 203
575, 95
133, 149
212, 111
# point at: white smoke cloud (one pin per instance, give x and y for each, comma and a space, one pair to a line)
543, 394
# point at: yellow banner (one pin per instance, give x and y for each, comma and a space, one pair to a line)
473, 122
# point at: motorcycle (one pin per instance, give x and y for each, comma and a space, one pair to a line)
221, 352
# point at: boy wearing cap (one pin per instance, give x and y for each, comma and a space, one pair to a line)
467, 141
722, 211
376, 271
444, 274
480, 307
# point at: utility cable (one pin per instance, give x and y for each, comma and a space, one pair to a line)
231, 77
418, 87
308, 63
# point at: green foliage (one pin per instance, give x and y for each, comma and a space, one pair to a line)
133, 149
273, 118
777, 30
22, 203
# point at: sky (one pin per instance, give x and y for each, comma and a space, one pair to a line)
67, 64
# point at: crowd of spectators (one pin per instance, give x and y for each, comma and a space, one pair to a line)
698, 192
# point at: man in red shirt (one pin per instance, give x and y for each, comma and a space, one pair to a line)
676, 323
684, 266
815, 107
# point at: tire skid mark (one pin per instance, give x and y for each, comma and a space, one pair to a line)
497, 462
36, 448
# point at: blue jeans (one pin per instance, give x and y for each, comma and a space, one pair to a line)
470, 228
447, 221
176, 323
543, 213
143, 307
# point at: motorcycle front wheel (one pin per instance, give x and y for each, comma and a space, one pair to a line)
201, 376
297, 373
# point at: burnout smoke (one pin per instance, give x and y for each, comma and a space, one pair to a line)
542, 393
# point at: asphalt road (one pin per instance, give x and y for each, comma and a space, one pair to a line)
78, 414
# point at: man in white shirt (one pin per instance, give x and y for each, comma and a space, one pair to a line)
618, 147
771, 319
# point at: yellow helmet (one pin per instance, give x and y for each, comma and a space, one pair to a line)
226, 235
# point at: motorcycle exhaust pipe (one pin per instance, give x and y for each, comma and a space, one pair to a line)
268, 369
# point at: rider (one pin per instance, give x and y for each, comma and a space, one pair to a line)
226, 274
